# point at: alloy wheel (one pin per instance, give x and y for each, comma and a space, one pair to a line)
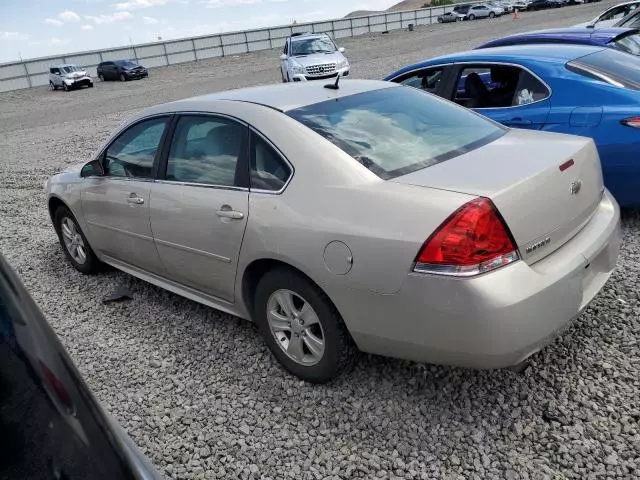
296, 327
73, 240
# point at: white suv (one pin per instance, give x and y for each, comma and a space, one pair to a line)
312, 56
68, 77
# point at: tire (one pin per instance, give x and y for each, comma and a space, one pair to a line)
123, 78
492, 15
52, 87
70, 235
440, 20
337, 351
101, 77
472, 17
65, 87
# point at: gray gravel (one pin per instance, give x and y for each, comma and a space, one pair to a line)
199, 392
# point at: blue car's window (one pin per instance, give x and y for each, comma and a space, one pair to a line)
611, 66
628, 43
396, 131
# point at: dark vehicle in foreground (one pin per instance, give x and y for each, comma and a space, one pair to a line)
51, 426
544, 4
625, 39
576, 89
122, 70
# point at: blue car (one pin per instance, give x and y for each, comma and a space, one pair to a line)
625, 39
574, 89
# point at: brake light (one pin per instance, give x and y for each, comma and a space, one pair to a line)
633, 122
473, 240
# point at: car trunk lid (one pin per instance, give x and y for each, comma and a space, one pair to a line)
546, 186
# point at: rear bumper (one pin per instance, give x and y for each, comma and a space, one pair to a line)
494, 320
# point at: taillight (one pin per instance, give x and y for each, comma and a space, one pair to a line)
473, 240
633, 122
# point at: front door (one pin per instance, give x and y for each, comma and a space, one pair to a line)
199, 207
508, 94
116, 205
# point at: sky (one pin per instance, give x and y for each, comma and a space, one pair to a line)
37, 28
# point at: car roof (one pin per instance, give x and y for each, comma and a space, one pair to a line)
597, 36
282, 97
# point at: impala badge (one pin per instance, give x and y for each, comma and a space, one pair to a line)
538, 245
575, 187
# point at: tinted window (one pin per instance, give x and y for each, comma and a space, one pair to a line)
126, 63
398, 130
427, 80
498, 86
132, 153
629, 44
633, 22
617, 13
205, 150
312, 45
616, 68
268, 170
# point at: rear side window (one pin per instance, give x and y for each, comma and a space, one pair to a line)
610, 66
398, 130
628, 43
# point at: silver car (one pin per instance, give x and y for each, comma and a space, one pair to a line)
312, 56
69, 76
373, 215
481, 11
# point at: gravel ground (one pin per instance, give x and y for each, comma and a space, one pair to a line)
199, 392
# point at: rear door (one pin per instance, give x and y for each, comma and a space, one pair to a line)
200, 203
509, 94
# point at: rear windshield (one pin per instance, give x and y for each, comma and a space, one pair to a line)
611, 66
396, 131
125, 63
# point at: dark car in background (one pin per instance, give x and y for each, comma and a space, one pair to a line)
543, 4
122, 70
625, 39
51, 426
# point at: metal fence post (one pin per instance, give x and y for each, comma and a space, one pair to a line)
193, 47
351, 26
166, 57
333, 29
386, 22
100, 57
269, 37
26, 73
246, 41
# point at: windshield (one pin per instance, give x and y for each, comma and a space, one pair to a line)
126, 63
610, 66
70, 69
628, 43
312, 45
396, 131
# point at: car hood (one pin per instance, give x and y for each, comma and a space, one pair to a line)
602, 24
318, 58
80, 74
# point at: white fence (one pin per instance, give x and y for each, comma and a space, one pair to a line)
32, 73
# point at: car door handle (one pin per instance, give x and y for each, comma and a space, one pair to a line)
136, 200
518, 122
226, 212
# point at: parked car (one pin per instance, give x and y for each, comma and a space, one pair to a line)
68, 76
280, 204
52, 425
611, 15
624, 39
480, 11
312, 56
451, 17
521, 5
575, 89
462, 9
630, 21
543, 4
122, 70
496, 8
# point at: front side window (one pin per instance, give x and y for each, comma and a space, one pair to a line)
497, 86
398, 130
268, 170
310, 46
206, 150
633, 22
428, 79
617, 13
132, 154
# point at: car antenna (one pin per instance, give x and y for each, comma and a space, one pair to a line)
334, 86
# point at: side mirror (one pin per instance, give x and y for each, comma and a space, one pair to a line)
342, 50
283, 56
92, 169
